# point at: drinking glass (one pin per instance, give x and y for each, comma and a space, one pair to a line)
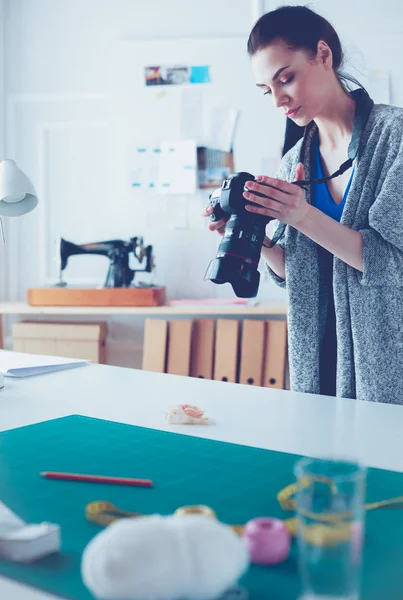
330, 527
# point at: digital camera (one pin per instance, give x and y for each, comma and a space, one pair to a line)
238, 254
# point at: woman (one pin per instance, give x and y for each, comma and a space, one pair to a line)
341, 257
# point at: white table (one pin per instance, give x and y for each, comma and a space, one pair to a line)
255, 416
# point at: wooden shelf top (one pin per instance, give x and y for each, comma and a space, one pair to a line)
268, 308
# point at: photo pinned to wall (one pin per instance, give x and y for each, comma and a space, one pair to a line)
176, 75
213, 167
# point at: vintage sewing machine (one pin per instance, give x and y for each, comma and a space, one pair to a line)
119, 288
119, 275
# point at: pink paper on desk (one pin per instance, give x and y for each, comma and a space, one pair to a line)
208, 301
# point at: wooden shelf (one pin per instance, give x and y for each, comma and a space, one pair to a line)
21, 308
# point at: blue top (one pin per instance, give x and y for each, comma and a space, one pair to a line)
322, 197
328, 356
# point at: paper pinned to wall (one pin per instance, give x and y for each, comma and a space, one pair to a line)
168, 168
223, 125
177, 168
192, 110
379, 85
144, 164
180, 213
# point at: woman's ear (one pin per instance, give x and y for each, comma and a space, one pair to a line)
324, 55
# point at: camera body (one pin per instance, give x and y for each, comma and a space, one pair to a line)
238, 254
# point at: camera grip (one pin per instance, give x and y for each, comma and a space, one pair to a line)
218, 213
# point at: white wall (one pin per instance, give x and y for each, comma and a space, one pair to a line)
56, 115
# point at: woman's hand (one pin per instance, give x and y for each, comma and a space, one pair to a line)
282, 200
218, 226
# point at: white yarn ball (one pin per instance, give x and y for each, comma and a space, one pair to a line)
164, 558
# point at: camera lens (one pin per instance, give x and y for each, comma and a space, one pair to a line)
238, 255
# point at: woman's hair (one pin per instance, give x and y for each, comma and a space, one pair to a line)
301, 29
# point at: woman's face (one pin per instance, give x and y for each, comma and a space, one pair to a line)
294, 81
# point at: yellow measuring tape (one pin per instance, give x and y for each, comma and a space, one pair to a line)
329, 528
105, 513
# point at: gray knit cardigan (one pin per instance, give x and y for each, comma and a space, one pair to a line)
368, 305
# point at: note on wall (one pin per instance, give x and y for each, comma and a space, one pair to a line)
168, 168
223, 126
379, 85
192, 113
178, 167
144, 164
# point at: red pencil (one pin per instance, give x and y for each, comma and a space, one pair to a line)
97, 479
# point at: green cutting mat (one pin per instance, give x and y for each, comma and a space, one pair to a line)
238, 482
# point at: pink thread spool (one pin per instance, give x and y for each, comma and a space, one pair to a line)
268, 541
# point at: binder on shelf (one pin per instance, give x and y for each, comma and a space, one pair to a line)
226, 350
179, 345
252, 352
155, 344
202, 348
275, 354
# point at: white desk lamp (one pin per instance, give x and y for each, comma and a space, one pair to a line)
17, 197
17, 193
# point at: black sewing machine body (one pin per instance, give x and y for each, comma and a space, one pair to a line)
118, 251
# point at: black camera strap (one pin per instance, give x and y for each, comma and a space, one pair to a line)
363, 108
